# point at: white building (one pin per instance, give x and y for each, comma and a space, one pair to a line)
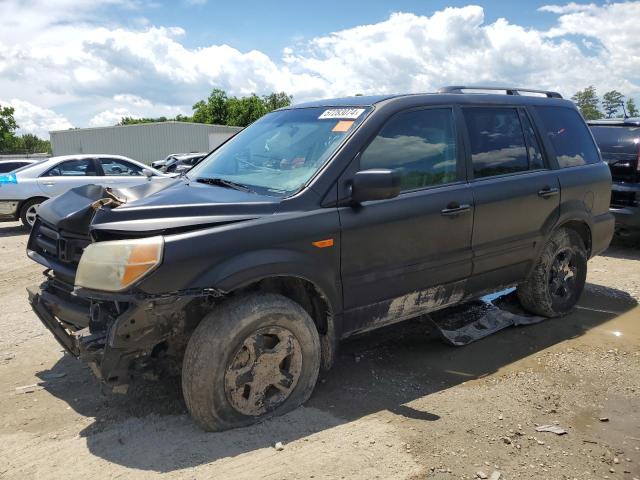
145, 142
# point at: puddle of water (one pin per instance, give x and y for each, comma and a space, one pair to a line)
622, 328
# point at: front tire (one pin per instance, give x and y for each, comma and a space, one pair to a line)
252, 358
556, 282
28, 212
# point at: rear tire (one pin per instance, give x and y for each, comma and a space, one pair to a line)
556, 282
28, 212
252, 358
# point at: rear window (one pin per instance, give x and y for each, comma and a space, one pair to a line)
617, 139
569, 136
497, 141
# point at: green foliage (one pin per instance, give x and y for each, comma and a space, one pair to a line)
8, 127
587, 101
221, 109
632, 110
215, 110
612, 102
277, 100
29, 143
12, 143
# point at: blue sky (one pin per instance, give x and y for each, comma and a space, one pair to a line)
271, 26
80, 63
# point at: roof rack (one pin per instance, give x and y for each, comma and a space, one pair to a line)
508, 90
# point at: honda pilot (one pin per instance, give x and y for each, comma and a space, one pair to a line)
315, 223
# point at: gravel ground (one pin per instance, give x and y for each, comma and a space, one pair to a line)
398, 404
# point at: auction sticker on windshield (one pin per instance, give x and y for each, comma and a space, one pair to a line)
339, 113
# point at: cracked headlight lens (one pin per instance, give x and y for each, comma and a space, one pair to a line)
114, 266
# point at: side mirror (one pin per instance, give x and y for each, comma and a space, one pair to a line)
147, 173
375, 184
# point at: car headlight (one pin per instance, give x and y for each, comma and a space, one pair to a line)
114, 266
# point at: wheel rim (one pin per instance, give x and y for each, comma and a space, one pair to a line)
563, 275
264, 371
30, 215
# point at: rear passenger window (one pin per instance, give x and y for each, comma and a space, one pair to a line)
497, 141
533, 147
569, 136
420, 144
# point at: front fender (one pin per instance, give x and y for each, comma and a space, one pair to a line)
250, 267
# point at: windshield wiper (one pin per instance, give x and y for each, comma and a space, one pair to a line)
221, 182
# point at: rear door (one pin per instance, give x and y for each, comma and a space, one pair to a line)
515, 192
412, 253
69, 174
119, 172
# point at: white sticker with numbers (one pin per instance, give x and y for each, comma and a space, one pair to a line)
340, 113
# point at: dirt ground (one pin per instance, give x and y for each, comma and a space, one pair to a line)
398, 404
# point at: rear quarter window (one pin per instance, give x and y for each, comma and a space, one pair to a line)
569, 136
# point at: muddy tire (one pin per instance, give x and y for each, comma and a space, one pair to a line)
28, 212
252, 358
556, 282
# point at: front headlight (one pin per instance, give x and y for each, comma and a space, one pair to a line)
114, 266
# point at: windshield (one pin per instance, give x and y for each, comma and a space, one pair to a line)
279, 153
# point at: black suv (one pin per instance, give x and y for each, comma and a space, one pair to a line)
619, 142
315, 223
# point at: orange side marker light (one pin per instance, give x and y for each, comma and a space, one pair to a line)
323, 243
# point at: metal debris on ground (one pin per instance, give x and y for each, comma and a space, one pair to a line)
28, 388
551, 428
466, 323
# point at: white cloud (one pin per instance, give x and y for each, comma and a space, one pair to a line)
37, 120
60, 54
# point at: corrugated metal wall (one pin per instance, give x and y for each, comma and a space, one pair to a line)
145, 142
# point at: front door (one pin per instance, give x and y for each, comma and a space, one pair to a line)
410, 254
517, 196
67, 175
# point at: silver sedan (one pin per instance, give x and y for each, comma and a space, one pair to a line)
22, 190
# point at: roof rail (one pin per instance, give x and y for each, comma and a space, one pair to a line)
508, 90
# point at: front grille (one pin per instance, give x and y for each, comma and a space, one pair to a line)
61, 250
623, 199
624, 167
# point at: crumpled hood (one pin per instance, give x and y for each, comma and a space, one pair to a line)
154, 207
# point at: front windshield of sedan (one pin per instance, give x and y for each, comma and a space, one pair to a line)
279, 153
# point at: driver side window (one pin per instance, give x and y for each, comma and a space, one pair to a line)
73, 168
420, 145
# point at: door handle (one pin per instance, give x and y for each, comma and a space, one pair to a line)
547, 192
48, 184
454, 209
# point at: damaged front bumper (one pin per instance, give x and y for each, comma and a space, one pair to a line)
118, 338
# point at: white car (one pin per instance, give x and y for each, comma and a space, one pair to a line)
22, 190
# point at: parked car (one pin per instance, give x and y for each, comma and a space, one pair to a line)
182, 163
160, 163
619, 142
23, 190
7, 166
315, 223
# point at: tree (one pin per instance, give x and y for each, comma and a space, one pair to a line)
278, 100
8, 127
612, 102
221, 109
245, 110
29, 143
587, 101
632, 110
215, 110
